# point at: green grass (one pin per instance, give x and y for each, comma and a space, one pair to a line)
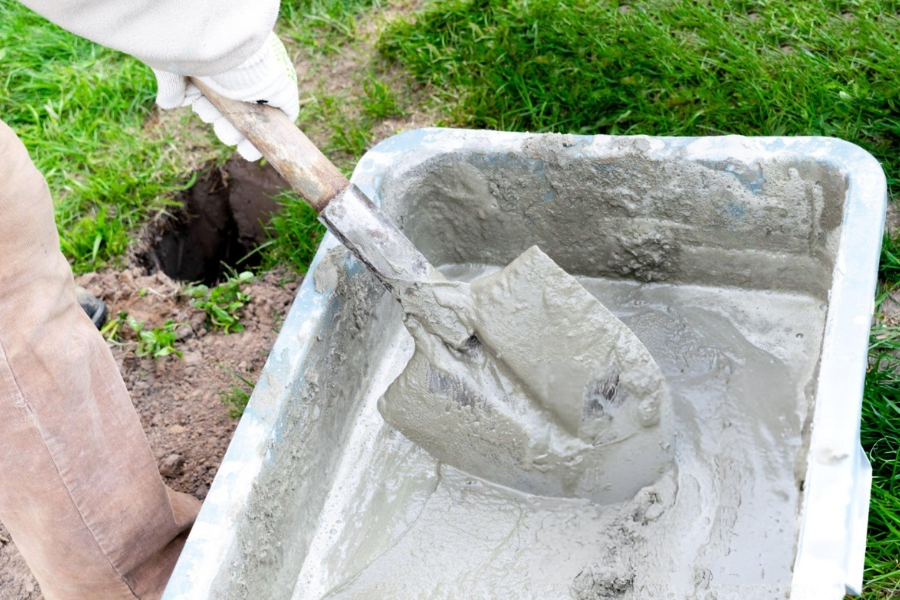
663, 68
81, 112
237, 396
880, 433
322, 24
380, 101
294, 235
881, 440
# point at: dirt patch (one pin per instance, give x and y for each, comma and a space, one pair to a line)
178, 399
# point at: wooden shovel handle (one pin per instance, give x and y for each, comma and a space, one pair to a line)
352, 217
298, 160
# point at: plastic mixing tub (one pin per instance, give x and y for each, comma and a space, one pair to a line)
747, 266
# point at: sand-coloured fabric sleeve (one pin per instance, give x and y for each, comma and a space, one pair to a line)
188, 37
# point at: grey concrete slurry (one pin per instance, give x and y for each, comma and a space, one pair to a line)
740, 367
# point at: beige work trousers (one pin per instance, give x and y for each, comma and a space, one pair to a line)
79, 487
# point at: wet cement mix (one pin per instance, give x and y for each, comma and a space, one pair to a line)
179, 400
739, 354
721, 525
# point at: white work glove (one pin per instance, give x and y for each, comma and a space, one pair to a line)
267, 77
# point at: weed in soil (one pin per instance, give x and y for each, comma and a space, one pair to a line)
237, 396
180, 400
157, 342
224, 303
112, 328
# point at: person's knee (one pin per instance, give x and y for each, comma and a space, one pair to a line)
18, 175
26, 210
14, 159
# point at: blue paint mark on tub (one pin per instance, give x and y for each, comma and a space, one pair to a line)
735, 210
752, 179
750, 176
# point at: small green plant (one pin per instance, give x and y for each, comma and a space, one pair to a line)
237, 396
294, 235
155, 343
890, 258
224, 303
379, 102
112, 327
349, 136
93, 240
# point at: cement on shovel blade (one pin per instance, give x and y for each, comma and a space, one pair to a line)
552, 396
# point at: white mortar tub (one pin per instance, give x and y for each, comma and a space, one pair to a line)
747, 266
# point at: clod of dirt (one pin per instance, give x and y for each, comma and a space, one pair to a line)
222, 220
171, 465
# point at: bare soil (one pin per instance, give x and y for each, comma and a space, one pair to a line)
179, 400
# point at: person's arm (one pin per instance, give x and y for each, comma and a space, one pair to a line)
228, 44
188, 37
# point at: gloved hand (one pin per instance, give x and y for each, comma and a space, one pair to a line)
267, 77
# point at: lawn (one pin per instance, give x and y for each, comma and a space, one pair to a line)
81, 111
655, 67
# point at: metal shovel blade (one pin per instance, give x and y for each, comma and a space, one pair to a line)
553, 395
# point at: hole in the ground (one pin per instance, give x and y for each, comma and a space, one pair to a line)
220, 223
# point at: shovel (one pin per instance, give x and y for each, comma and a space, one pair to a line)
521, 377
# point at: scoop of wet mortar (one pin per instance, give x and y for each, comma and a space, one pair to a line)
553, 395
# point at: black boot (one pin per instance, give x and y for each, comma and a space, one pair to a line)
93, 306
